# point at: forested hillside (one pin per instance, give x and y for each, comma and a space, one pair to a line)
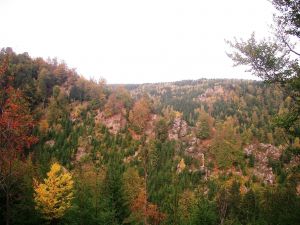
77, 151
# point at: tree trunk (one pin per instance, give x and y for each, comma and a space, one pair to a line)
146, 202
145, 163
7, 209
54, 222
8, 188
175, 217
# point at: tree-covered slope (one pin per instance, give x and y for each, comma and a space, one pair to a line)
187, 152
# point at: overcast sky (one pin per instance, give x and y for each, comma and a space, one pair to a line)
135, 41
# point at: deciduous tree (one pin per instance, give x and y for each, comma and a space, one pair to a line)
53, 196
276, 60
140, 114
16, 124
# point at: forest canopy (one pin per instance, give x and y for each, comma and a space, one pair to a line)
208, 151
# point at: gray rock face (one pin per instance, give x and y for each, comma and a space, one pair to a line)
50, 143
179, 129
114, 123
81, 151
262, 154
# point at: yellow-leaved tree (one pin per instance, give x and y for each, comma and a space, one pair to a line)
53, 196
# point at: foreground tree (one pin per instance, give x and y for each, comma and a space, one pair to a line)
113, 209
276, 60
53, 196
16, 124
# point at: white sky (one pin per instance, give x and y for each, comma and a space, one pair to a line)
134, 41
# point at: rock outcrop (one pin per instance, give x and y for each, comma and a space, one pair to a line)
179, 129
114, 123
262, 154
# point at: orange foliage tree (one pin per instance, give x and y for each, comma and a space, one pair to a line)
144, 211
140, 114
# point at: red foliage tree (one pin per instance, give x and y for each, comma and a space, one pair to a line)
16, 124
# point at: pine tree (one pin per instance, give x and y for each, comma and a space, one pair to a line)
226, 145
113, 205
204, 125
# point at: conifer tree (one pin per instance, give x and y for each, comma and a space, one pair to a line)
226, 146
204, 125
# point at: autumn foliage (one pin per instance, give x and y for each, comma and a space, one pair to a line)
141, 209
53, 196
140, 114
166, 153
144, 210
16, 122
